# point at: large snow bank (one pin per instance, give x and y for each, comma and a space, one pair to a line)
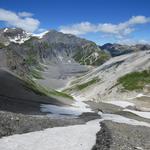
77, 137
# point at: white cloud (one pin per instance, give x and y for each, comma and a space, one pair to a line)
25, 14
21, 20
133, 42
118, 30
138, 20
77, 29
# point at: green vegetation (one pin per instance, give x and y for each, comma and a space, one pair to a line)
40, 67
31, 58
36, 88
29, 42
86, 56
45, 45
36, 74
102, 58
61, 94
40, 90
77, 86
84, 85
135, 80
2, 45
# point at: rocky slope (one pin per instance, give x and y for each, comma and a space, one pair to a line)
102, 83
118, 49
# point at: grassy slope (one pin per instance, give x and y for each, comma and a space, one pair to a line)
83, 85
40, 90
135, 80
86, 84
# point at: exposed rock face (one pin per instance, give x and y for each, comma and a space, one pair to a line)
118, 49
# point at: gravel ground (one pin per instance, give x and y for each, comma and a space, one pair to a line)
14, 123
116, 136
103, 138
112, 136
128, 137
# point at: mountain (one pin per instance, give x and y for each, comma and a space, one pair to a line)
118, 49
16, 35
21, 51
43, 62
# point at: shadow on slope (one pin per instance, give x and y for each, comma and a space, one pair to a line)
15, 96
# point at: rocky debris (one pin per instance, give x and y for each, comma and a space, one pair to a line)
16, 123
120, 136
128, 137
89, 116
103, 138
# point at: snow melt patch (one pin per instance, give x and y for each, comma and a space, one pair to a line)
40, 35
5, 30
79, 103
77, 108
122, 104
62, 110
77, 137
139, 113
20, 39
121, 119
139, 96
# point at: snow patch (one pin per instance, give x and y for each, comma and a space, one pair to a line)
19, 38
69, 61
121, 119
60, 58
5, 30
95, 54
40, 35
77, 137
139, 113
61, 110
139, 96
122, 104
77, 108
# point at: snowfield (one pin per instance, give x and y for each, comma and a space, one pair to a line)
139, 113
77, 137
122, 104
121, 119
77, 108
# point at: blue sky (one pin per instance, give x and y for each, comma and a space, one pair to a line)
124, 21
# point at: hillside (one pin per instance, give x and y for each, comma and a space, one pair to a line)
120, 78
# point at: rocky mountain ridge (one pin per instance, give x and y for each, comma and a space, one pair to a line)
119, 49
22, 51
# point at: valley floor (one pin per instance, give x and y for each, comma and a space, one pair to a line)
115, 130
